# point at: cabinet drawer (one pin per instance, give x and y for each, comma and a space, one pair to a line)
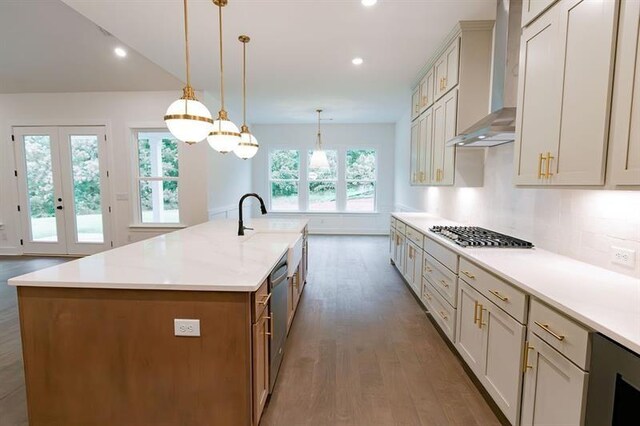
507, 297
565, 335
260, 300
445, 281
401, 227
442, 254
440, 310
393, 222
414, 236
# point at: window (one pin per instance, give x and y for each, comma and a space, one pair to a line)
157, 176
348, 185
361, 180
284, 176
323, 183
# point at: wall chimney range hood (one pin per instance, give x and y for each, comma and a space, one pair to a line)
499, 126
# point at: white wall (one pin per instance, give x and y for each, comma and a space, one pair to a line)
203, 172
578, 223
303, 136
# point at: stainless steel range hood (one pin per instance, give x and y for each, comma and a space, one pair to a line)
499, 126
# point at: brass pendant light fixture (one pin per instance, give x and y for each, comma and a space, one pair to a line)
319, 157
225, 135
187, 119
248, 146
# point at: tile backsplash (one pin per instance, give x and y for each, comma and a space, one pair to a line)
580, 223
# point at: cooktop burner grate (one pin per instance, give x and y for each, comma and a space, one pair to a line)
474, 236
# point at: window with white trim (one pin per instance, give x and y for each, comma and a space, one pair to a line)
323, 184
360, 178
284, 179
348, 185
157, 177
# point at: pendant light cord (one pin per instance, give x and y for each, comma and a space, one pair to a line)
221, 65
186, 41
319, 137
244, 83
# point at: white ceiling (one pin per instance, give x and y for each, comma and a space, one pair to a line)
46, 46
301, 50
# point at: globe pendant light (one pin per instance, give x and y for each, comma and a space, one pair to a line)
225, 135
248, 145
319, 157
187, 119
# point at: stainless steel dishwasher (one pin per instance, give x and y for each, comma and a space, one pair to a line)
278, 286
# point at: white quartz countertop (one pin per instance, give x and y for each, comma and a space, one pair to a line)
205, 257
605, 301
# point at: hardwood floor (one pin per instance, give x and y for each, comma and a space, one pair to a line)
13, 406
361, 350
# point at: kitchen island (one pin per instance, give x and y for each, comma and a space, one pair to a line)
101, 346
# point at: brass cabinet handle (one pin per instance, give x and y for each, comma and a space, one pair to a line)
410, 249
540, 159
444, 82
475, 312
525, 362
480, 323
443, 282
266, 299
498, 295
546, 328
428, 268
442, 314
549, 158
469, 275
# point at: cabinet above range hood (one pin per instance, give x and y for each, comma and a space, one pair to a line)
499, 126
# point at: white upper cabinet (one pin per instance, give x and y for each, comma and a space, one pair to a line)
415, 103
444, 128
415, 157
624, 162
564, 93
426, 91
425, 146
446, 69
532, 8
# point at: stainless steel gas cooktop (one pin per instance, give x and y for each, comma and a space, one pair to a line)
473, 236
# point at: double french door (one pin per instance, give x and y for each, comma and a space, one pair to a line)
63, 189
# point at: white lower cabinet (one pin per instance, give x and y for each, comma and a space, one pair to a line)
491, 342
554, 390
413, 266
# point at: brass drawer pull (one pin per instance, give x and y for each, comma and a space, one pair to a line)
267, 333
475, 312
480, 323
546, 328
443, 315
444, 283
469, 275
428, 269
499, 296
549, 158
266, 299
540, 159
525, 362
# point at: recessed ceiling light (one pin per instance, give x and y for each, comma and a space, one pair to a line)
357, 61
369, 3
120, 52
481, 137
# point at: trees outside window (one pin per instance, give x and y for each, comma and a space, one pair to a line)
157, 176
361, 180
284, 177
323, 184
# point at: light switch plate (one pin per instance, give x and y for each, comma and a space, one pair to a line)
186, 327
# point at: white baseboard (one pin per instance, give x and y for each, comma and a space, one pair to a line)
10, 251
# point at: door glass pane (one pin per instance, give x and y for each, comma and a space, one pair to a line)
361, 196
159, 201
284, 195
40, 189
86, 188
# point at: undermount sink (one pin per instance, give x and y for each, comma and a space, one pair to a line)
293, 241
